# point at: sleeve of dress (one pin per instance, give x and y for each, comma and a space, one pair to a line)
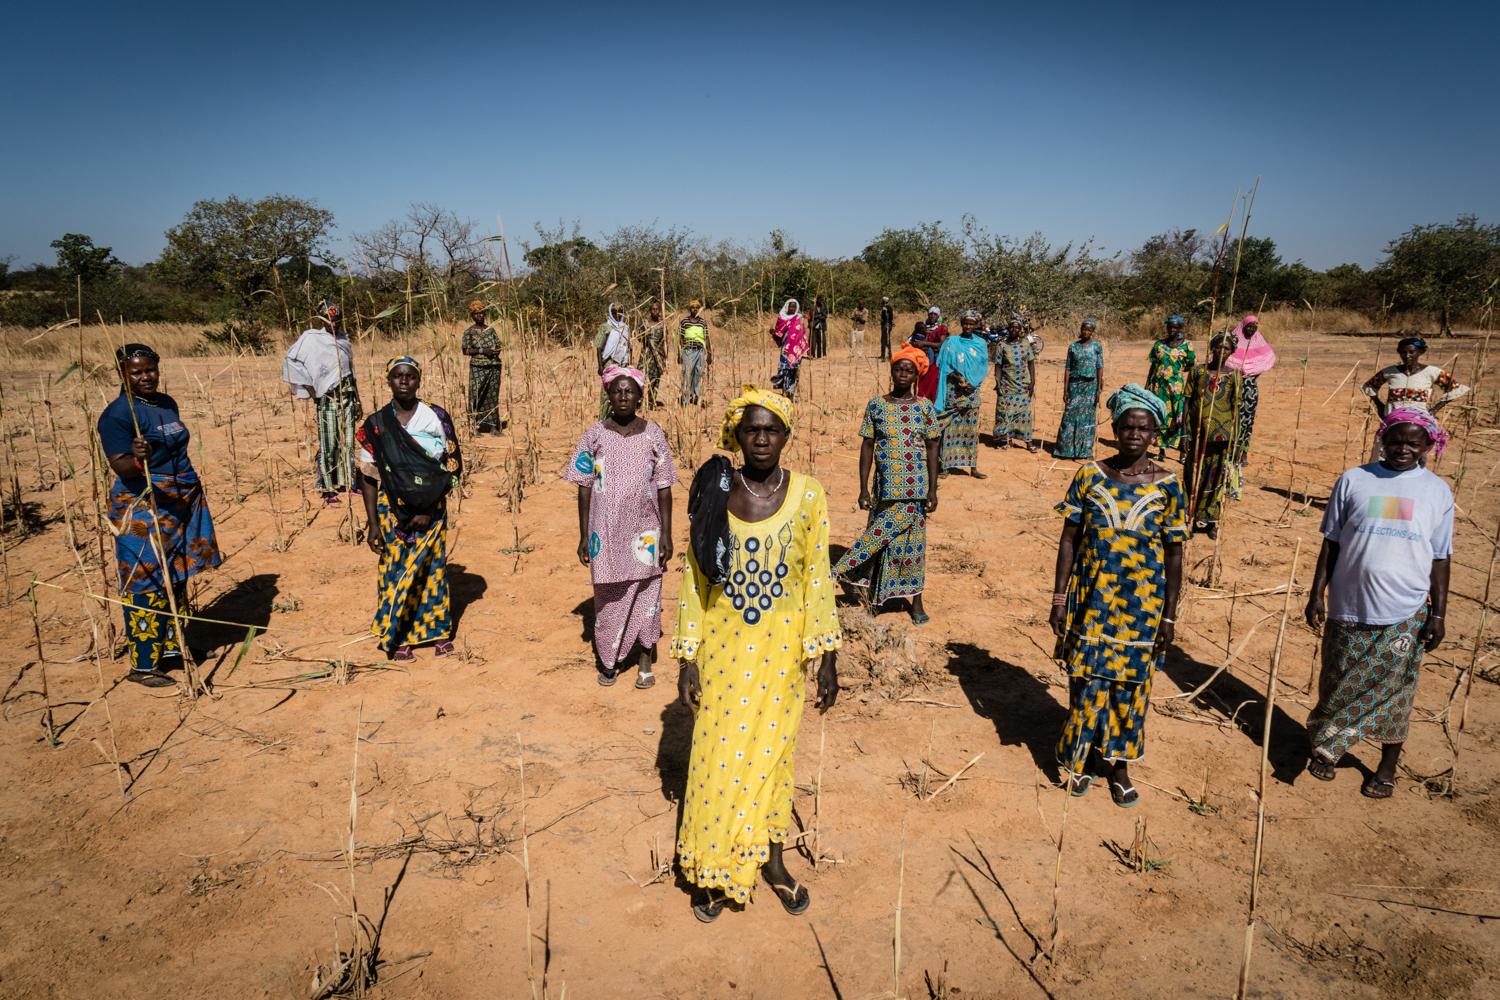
1192, 359
1372, 384
1071, 505
1174, 526
867, 427
116, 432
1442, 538
666, 469
364, 438
1451, 388
581, 468
692, 602
820, 619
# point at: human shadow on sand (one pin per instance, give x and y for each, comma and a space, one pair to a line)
585, 613
1245, 704
1023, 710
464, 588
247, 604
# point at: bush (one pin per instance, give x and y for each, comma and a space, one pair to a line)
236, 337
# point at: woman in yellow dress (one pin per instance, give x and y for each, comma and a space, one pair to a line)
756, 610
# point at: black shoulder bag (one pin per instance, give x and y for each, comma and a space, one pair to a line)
414, 481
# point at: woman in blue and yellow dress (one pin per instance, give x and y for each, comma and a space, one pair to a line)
1114, 603
901, 434
755, 612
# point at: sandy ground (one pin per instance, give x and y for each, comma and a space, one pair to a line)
221, 871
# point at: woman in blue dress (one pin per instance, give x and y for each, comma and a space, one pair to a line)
1083, 374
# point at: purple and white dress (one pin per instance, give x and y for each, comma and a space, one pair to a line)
624, 474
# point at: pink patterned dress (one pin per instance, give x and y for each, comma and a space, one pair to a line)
624, 474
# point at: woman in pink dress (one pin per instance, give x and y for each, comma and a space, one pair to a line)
624, 472
790, 334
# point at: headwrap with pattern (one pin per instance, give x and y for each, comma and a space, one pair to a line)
1423, 419
751, 396
405, 359
618, 371
1135, 397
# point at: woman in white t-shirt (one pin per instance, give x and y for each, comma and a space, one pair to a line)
1387, 541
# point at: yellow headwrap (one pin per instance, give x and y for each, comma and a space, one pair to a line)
477, 307
751, 396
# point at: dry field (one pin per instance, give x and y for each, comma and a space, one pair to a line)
510, 822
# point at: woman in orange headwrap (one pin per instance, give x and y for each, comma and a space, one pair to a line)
901, 436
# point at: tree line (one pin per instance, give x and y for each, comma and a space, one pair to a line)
247, 267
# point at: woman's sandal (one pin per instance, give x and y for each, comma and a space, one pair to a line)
403, 655
1320, 769
1080, 784
976, 474
1124, 796
1377, 788
644, 679
607, 678
150, 678
710, 906
789, 896
444, 648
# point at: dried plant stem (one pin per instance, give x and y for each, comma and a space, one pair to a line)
48, 726
956, 775
1463, 711
109, 717
531, 976
1260, 796
896, 936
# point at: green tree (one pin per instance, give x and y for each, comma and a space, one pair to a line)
1260, 271
1006, 275
1173, 270
243, 248
914, 266
77, 257
1449, 268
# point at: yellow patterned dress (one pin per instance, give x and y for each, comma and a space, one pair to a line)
1116, 597
752, 638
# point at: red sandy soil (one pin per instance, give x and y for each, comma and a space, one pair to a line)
221, 873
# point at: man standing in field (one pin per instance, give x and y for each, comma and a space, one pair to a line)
858, 318
696, 354
819, 327
887, 324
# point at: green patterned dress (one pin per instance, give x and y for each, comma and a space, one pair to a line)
1168, 381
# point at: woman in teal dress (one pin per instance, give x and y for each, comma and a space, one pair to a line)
1171, 362
900, 432
1083, 374
1114, 602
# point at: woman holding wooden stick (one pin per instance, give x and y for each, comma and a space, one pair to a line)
1387, 546
1211, 425
168, 525
1114, 600
624, 473
756, 611
409, 460
901, 434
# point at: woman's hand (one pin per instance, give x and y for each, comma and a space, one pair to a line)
688, 691
828, 681
421, 522
1058, 619
931, 501
140, 447
864, 499
374, 538
1314, 612
1165, 633
664, 552
583, 551
1432, 633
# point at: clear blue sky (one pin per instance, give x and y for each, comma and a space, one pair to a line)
1073, 118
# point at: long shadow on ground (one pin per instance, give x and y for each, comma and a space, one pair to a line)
1023, 710
464, 588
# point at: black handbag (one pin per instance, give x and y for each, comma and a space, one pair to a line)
412, 479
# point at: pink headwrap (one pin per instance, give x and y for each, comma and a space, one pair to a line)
617, 371
1252, 357
1423, 419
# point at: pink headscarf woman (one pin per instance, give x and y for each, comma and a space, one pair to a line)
1252, 357
790, 334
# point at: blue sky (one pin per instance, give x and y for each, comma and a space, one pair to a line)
830, 122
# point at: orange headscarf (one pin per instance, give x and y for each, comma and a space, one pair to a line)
915, 355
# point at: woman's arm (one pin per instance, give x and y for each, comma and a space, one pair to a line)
1328, 557
585, 497
934, 451
374, 538
1437, 599
1031, 374
1067, 546
132, 464
664, 511
866, 463
1167, 630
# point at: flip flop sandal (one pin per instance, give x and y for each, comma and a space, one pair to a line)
976, 474
644, 680
1124, 796
403, 655
150, 679
332, 501
708, 909
789, 896
608, 679
920, 618
1080, 784
444, 648
1377, 788
1320, 769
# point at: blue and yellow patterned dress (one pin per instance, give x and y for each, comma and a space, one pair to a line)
1117, 594
751, 639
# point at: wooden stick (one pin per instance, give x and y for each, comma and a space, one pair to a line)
956, 775
896, 943
1463, 712
1260, 797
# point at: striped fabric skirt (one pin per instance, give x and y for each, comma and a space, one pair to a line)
339, 412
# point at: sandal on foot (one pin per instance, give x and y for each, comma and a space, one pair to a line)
1124, 796
709, 907
920, 617
150, 678
976, 474
1377, 788
1080, 784
403, 655
645, 679
795, 898
607, 678
1320, 769
444, 648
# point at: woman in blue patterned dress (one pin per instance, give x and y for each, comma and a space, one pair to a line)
963, 361
1114, 602
901, 433
1083, 374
